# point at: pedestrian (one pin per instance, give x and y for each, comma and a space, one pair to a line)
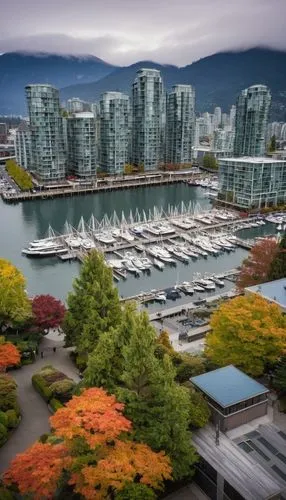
54, 349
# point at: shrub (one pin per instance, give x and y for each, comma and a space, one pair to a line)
6, 494
55, 404
3, 419
62, 387
40, 385
13, 420
189, 367
3, 434
8, 394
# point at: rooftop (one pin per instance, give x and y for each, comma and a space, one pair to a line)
275, 291
228, 386
251, 159
242, 470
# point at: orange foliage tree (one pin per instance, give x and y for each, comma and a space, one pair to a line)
9, 355
256, 267
89, 450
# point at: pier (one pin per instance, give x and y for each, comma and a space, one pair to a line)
101, 186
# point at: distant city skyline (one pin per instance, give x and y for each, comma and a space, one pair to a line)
121, 33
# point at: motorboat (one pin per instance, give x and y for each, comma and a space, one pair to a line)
126, 235
48, 252
187, 288
73, 242
44, 244
146, 262
139, 248
87, 244
217, 281
179, 254
160, 297
160, 265
161, 253
129, 266
138, 230
198, 288
105, 237
115, 232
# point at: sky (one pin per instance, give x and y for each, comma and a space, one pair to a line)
125, 31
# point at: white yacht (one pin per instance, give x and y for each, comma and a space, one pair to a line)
105, 237
73, 241
129, 266
160, 297
187, 288
126, 235
160, 265
138, 230
87, 244
198, 288
48, 252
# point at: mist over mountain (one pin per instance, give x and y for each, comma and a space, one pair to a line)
17, 69
217, 79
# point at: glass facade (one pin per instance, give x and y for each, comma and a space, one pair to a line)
82, 154
114, 136
180, 124
252, 182
148, 119
48, 159
252, 109
23, 146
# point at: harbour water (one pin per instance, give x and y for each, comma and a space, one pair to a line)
26, 221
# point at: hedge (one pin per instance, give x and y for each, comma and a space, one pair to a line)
54, 386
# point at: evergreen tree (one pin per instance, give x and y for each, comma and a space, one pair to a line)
278, 265
93, 306
159, 407
279, 376
105, 363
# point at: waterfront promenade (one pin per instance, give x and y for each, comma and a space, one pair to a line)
101, 185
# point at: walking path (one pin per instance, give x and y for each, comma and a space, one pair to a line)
35, 412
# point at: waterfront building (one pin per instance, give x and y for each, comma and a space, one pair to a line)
217, 117
76, 105
180, 119
48, 155
252, 182
232, 115
23, 145
114, 137
222, 142
3, 133
147, 119
251, 121
82, 153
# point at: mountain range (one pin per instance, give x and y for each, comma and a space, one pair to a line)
217, 79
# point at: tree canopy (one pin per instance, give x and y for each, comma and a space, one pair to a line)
9, 355
247, 331
15, 306
90, 451
209, 161
93, 306
278, 265
20, 175
48, 312
256, 268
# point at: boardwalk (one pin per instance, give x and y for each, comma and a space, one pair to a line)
35, 412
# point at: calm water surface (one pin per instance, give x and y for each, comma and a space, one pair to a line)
21, 223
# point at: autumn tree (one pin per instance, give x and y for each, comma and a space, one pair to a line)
15, 306
93, 306
90, 451
248, 332
256, 267
9, 355
278, 265
48, 312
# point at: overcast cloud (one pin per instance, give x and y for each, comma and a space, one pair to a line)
125, 31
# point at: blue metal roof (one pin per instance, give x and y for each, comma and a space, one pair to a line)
228, 386
273, 290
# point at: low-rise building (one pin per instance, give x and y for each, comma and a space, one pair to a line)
252, 182
273, 291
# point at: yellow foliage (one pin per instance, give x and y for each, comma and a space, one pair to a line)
15, 305
248, 332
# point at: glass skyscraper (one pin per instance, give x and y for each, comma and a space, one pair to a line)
82, 151
148, 115
48, 156
114, 136
180, 124
252, 110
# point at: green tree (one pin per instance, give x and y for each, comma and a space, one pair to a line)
272, 145
279, 376
93, 306
278, 265
248, 332
159, 407
199, 410
20, 175
105, 363
209, 161
15, 306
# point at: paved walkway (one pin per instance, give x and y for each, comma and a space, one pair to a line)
35, 412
